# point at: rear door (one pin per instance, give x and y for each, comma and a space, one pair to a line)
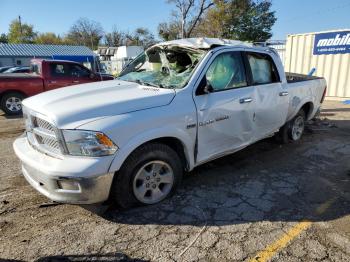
271, 99
60, 75
225, 106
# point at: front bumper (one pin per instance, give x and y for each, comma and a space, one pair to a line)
71, 180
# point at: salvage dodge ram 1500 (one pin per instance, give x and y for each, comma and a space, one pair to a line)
176, 106
44, 75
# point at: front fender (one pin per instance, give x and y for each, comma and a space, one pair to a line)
153, 134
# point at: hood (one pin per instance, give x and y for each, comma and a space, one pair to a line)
73, 106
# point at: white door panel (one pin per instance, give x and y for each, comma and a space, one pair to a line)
271, 108
225, 121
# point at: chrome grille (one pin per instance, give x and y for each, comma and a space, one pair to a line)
42, 135
48, 142
42, 124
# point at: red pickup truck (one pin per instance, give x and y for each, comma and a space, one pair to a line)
45, 75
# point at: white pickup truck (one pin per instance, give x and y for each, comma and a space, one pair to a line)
176, 106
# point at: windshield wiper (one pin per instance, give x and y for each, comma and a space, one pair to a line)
140, 82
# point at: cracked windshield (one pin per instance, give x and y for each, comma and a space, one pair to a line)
163, 67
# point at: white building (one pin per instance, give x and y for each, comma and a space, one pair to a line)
328, 52
113, 59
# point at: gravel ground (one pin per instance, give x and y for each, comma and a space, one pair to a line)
226, 210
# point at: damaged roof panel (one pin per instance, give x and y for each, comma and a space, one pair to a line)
204, 43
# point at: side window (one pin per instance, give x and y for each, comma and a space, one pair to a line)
59, 69
263, 68
79, 71
226, 72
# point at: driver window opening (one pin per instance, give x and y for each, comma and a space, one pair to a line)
226, 72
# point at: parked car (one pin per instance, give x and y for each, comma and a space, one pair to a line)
4, 68
45, 75
176, 106
17, 69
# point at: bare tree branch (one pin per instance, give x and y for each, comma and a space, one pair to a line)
203, 7
184, 14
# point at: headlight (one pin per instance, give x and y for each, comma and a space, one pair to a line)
88, 143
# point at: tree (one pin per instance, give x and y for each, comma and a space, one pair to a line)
169, 31
244, 20
114, 38
186, 17
21, 32
85, 32
215, 22
255, 24
142, 37
3, 38
49, 38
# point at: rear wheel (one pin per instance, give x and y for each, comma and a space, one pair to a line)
297, 126
293, 129
149, 175
11, 103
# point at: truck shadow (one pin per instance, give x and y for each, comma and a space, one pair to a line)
2, 114
264, 182
116, 257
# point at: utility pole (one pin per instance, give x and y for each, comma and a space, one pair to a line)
20, 27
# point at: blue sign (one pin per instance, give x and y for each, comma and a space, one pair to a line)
332, 43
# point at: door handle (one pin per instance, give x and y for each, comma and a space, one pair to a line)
245, 100
284, 93
52, 82
76, 81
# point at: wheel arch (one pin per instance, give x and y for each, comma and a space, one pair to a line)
179, 145
175, 144
12, 91
308, 108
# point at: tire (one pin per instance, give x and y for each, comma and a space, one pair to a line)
287, 134
297, 127
282, 135
11, 103
148, 176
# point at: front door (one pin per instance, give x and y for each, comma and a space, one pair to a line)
225, 107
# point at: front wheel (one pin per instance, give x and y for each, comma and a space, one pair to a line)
11, 103
149, 175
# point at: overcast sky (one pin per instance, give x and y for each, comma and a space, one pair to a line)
293, 16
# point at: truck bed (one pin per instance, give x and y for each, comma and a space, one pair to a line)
294, 77
303, 88
27, 84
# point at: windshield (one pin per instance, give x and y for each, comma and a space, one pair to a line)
165, 67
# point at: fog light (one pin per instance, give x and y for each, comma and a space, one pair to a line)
68, 185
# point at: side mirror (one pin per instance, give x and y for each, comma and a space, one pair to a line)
204, 87
208, 88
92, 75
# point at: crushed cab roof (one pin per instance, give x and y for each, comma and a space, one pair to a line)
204, 42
